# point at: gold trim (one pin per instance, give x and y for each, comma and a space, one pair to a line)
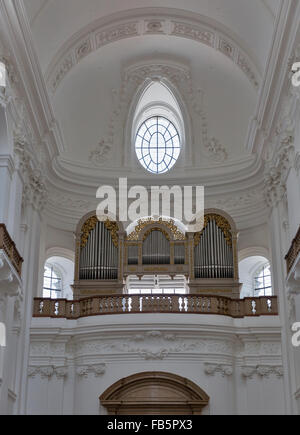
113, 228
151, 230
91, 223
221, 222
87, 228
143, 223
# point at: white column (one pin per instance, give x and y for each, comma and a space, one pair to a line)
14, 209
278, 251
33, 203
6, 166
30, 279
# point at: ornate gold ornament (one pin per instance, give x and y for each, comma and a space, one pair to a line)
91, 223
156, 229
87, 228
143, 223
113, 228
221, 222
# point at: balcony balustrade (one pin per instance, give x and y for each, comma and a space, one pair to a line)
9, 247
293, 252
137, 304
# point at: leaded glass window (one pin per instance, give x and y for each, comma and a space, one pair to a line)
157, 145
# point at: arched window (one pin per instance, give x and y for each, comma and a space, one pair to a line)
52, 287
158, 129
255, 275
157, 145
262, 285
58, 278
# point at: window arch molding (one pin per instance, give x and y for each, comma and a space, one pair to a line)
135, 118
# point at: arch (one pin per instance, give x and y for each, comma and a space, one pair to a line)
156, 393
167, 225
57, 251
180, 115
89, 215
249, 267
136, 226
172, 22
224, 215
254, 251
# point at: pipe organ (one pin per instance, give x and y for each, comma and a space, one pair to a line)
213, 255
106, 255
98, 254
156, 248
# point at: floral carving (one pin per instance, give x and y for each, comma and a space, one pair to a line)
97, 369
143, 223
101, 154
224, 369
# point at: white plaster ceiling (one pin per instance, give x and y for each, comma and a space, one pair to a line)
84, 102
55, 21
85, 98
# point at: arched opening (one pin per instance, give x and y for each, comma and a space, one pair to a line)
158, 128
255, 274
58, 278
154, 393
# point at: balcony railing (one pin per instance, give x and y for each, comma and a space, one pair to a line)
134, 304
293, 252
9, 247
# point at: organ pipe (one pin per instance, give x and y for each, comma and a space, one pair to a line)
99, 256
156, 249
213, 254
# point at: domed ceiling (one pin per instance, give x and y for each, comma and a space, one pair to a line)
96, 55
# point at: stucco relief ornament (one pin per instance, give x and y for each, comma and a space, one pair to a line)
216, 151
224, 369
101, 154
61, 372
274, 190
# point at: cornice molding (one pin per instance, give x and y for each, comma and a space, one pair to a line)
247, 170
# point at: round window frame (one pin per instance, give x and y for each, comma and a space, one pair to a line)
141, 160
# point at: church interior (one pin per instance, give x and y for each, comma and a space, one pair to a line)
130, 309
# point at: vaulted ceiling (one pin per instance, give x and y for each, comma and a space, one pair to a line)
84, 48
84, 65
